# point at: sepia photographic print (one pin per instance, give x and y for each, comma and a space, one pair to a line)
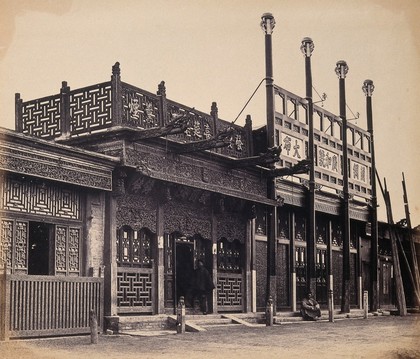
209, 179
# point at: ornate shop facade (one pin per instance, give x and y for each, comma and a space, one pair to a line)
131, 189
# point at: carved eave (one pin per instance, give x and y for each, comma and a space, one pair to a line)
197, 172
49, 160
295, 194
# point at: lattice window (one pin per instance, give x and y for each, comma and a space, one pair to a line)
321, 231
321, 275
283, 226
337, 235
6, 243
134, 248
14, 245
261, 221
300, 258
60, 249
67, 250
300, 228
40, 198
21, 246
73, 250
229, 255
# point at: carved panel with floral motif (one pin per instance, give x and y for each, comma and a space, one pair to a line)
136, 211
231, 227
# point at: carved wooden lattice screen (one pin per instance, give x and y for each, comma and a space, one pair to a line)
14, 245
135, 273
67, 253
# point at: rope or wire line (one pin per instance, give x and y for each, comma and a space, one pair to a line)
243, 108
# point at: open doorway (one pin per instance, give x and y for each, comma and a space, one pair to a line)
184, 271
39, 248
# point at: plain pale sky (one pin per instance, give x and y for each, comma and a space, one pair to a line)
213, 50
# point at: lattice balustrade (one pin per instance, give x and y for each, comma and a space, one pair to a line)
90, 109
140, 109
135, 290
41, 117
229, 291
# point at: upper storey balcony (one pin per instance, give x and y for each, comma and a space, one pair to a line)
114, 105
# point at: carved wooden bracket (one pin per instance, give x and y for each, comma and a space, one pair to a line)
176, 125
222, 139
271, 156
300, 168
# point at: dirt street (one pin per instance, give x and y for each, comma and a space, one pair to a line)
381, 337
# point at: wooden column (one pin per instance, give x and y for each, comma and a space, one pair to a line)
292, 261
110, 255
160, 260
253, 267
247, 267
330, 282
214, 257
341, 70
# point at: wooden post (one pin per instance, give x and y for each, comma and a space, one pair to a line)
18, 113
65, 110
341, 71
93, 322
4, 310
162, 104
415, 270
401, 304
116, 109
180, 316
365, 304
269, 313
330, 305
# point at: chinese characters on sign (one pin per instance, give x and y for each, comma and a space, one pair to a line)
359, 172
328, 160
293, 147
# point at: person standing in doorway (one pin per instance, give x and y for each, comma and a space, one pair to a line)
202, 286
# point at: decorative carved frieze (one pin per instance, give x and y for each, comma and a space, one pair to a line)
231, 227
52, 163
187, 219
136, 211
187, 171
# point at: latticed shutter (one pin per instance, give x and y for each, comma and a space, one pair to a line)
67, 250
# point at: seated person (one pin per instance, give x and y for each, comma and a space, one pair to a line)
310, 309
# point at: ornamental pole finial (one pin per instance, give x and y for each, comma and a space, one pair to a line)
341, 69
368, 87
307, 46
268, 23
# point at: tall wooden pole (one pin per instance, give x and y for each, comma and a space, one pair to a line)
415, 267
267, 24
341, 71
368, 88
401, 304
307, 48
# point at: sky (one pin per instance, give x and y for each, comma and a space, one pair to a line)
213, 50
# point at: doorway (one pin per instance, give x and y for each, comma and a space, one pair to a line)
184, 271
39, 248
